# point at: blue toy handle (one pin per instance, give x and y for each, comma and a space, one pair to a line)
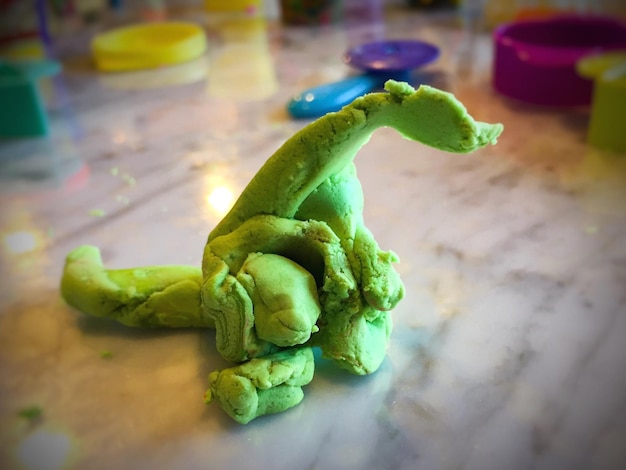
317, 101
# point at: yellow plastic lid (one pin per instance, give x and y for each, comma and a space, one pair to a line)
149, 45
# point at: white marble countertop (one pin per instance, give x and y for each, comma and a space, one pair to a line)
507, 351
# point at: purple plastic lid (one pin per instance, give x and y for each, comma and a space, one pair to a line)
535, 60
391, 56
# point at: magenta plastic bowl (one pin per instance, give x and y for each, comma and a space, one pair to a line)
535, 60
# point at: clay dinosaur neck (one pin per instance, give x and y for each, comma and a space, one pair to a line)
328, 144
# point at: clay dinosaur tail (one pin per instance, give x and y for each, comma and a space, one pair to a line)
153, 296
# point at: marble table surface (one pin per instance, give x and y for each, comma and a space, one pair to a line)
507, 352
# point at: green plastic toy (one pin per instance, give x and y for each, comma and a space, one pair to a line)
23, 112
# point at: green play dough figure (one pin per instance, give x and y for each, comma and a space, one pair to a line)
292, 265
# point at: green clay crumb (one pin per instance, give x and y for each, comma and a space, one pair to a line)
129, 179
96, 213
31, 413
106, 354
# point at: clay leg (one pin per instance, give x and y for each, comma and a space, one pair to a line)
339, 203
356, 343
379, 281
226, 301
284, 296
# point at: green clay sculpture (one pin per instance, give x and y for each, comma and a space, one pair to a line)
292, 265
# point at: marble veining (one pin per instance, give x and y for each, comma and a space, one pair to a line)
507, 352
